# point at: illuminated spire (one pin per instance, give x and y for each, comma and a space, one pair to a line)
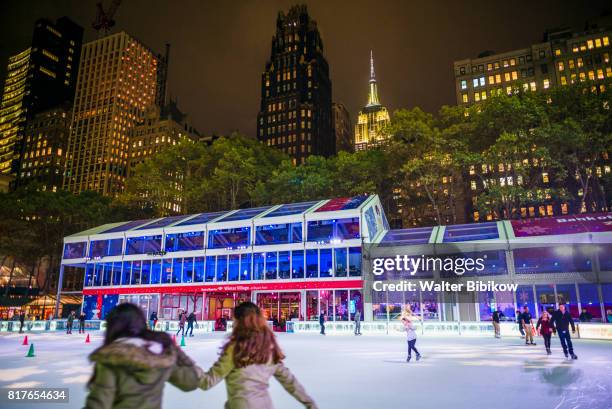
373, 94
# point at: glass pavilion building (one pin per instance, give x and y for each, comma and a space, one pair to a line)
298, 260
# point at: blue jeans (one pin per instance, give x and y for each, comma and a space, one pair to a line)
566, 342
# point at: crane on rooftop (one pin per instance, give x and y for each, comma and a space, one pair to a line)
104, 19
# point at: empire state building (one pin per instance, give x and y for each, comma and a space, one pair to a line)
372, 119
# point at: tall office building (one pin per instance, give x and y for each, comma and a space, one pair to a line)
39, 78
295, 114
118, 80
372, 119
343, 128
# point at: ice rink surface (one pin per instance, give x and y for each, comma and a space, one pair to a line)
358, 372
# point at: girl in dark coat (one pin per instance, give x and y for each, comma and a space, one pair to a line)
133, 365
546, 329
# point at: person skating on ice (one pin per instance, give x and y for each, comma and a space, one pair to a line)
545, 326
248, 360
357, 319
561, 321
70, 322
411, 337
497, 315
182, 319
191, 319
82, 323
528, 326
322, 322
519, 321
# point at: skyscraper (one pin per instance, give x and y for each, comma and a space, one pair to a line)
39, 78
343, 129
295, 114
369, 130
118, 80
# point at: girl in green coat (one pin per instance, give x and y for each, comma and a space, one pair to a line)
248, 360
133, 365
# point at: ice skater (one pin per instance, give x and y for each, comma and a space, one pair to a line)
546, 329
322, 322
153, 320
519, 321
134, 363
191, 319
561, 320
182, 319
21, 321
69, 322
357, 319
528, 326
82, 323
411, 338
497, 315
248, 359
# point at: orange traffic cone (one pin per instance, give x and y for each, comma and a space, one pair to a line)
25, 340
87, 339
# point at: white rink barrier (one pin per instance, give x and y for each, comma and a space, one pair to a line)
436, 328
439, 328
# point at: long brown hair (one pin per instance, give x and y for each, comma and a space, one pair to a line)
252, 339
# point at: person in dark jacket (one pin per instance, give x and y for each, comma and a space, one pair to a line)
134, 363
357, 319
21, 321
497, 316
545, 326
182, 319
191, 319
322, 322
561, 321
82, 323
527, 326
153, 320
585, 316
70, 322
519, 321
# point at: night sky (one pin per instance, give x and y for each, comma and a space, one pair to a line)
219, 48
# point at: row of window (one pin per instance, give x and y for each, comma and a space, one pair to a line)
320, 231
297, 264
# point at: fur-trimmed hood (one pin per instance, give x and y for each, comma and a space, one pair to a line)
135, 354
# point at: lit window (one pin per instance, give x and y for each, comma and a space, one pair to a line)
475, 82
590, 44
482, 81
606, 41
464, 98
557, 51
545, 177
560, 66
547, 83
463, 84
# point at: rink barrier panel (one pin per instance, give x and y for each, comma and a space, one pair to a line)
394, 328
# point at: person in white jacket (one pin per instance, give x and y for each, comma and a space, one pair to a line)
411, 337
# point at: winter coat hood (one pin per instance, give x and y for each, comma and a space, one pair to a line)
139, 356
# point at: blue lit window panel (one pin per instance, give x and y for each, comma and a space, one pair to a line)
278, 234
98, 270
271, 265
75, 250
326, 268
284, 265
354, 261
166, 277
297, 264
188, 241
136, 270
117, 272
289, 209
201, 219
244, 214
221, 268
245, 267
340, 260
233, 267
259, 260
407, 237
198, 269
470, 232
143, 244
125, 273
145, 274
126, 226
89, 273
103, 248
166, 221
238, 237
177, 270
557, 259
326, 231
187, 270
210, 269
108, 273
312, 263
343, 203
156, 271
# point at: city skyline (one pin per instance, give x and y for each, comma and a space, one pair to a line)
415, 73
